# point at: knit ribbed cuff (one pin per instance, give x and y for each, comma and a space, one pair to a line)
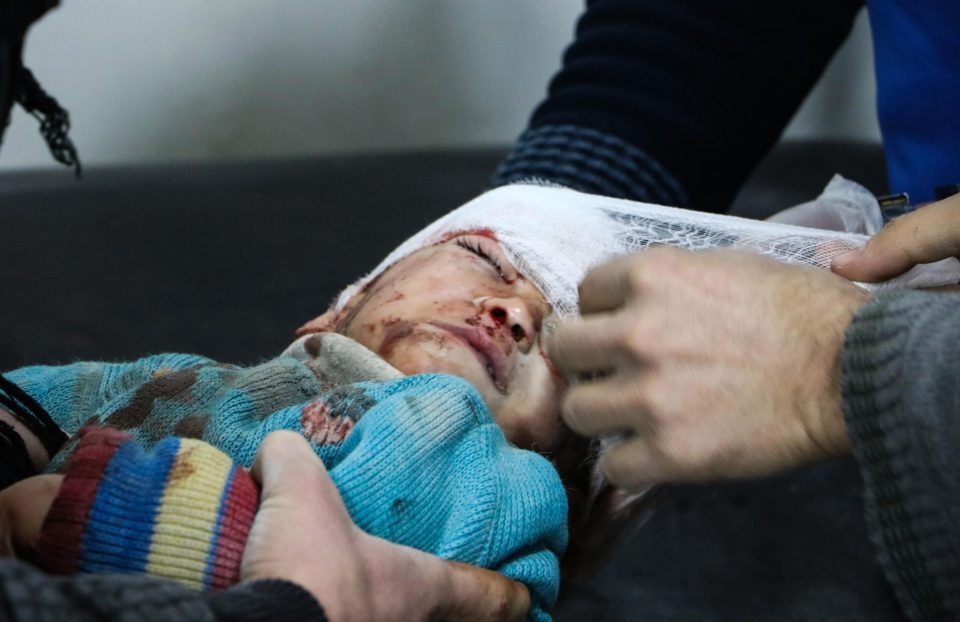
590, 161
180, 511
267, 600
889, 378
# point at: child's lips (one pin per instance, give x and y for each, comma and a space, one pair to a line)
486, 348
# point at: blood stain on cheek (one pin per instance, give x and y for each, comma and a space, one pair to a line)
446, 308
344, 321
478, 323
394, 330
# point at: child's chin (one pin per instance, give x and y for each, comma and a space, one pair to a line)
421, 360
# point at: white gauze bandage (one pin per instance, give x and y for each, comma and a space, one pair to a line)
555, 235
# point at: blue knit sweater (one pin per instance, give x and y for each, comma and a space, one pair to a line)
418, 460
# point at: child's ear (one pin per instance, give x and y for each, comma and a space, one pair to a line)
325, 323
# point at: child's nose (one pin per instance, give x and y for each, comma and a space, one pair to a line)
514, 316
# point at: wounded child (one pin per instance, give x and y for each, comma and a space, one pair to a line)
425, 389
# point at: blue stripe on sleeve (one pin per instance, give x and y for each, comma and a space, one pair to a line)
121, 521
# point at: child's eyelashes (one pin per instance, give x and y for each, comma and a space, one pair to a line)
474, 246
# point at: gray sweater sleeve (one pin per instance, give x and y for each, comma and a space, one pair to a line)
901, 386
28, 595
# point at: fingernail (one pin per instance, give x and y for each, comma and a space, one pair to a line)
841, 260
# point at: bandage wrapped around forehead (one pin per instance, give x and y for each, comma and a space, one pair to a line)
555, 235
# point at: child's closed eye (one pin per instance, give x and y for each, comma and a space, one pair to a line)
475, 244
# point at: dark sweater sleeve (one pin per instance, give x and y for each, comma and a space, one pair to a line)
28, 595
676, 102
901, 384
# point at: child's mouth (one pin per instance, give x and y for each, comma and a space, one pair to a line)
485, 348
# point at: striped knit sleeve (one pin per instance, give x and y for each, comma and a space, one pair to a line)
901, 387
181, 511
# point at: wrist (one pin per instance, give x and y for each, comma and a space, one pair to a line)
346, 591
829, 429
829, 432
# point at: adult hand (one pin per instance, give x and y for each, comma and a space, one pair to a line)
929, 234
303, 533
720, 364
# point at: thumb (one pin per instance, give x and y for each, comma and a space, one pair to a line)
287, 468
480, 595
607, 286
929, 234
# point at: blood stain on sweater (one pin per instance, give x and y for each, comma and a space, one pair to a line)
394, 330
183, 468
321, 426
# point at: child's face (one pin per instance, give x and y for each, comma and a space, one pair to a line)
461, 308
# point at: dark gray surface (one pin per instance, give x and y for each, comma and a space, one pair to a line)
223, 260
226, 260
792, 547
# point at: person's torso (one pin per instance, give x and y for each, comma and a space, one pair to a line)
917, 58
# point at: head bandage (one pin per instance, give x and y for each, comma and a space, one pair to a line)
555, 235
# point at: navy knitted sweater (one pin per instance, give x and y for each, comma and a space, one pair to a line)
676, 102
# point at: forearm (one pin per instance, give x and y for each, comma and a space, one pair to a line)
27, 594
675, 103
901, 384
